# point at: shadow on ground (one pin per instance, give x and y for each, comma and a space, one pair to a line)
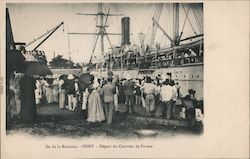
51, 121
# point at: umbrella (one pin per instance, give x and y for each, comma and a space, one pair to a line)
37, 68
86, 78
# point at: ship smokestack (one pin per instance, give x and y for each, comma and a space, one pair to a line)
125, 31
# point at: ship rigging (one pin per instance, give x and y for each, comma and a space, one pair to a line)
166, 48
150, 53
101, 26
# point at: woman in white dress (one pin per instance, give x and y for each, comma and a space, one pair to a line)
38, 92
49, 91
56, 90
95, 107
62, 94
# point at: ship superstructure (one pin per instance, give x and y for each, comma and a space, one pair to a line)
181, 57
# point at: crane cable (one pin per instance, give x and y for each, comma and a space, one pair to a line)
36, 39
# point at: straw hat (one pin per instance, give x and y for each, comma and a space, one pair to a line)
70, 76
164, 77
54, 76
128, 77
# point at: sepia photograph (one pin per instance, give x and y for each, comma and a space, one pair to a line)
93, 79
105, 69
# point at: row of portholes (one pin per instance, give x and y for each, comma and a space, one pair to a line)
192, 76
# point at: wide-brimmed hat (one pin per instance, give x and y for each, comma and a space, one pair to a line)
148, 79
128, 77
164, 77
54, 76
110, 75
191, 91
70, 76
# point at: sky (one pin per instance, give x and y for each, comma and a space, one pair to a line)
30, 20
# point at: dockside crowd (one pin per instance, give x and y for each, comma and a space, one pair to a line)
161, 97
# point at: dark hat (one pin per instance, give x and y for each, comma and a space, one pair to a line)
148, 79
191, 91
110, 73
166, 82
109, 77
171, 83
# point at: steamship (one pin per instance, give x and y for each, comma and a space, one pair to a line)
182, 59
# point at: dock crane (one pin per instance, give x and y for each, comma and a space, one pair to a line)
47, 34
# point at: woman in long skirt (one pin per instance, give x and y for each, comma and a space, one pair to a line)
56, 90
49, 91
38, 92
62, 94
95, 108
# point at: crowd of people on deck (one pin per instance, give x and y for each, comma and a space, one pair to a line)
102, 97
131, 59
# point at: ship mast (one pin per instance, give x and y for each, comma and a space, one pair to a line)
101, 28
176, 24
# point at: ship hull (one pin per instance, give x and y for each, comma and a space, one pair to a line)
188, 76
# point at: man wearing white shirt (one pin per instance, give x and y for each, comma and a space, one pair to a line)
167, 96
149, 90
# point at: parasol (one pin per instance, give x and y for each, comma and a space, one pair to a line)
85, 80
85, 77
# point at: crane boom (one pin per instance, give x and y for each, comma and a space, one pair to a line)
50, 32
48, 36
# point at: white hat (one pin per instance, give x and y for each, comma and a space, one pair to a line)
165, 76
128, 77
54, 76
70, 76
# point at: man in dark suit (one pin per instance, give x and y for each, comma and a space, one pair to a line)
129, 88
107, 93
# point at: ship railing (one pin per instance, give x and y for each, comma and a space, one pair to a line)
150, 62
